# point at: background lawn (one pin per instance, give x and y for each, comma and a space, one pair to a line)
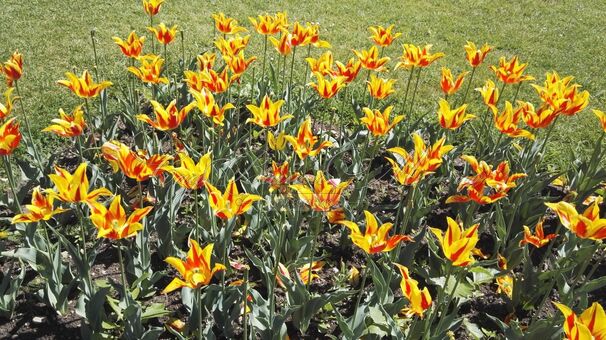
566, 36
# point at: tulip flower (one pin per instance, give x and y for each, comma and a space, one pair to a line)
380, 88
449, 84
276, 143
300, 35
507, 122
206, 61
132, 46
414, 57
536, 119
327, 88
231, 46
238, 64
488, 185
68, 126
207, 105
113, 223
303, 272
490, 95
269, 24
322, 65
150, 69
562, 96
152, 7
324, 195
84, 87
41, 209
419, 300
452, 119
135, 165
227, 25
195, 270
305, 141
215, 82
422, 162
10, 137
168, 118
348, 71
457, 243
280, 177
539, 239
190, 175
601, 117
476, 56
13, 68
370, 59
511, 72
586, 225
73, 188
217, 114
375, 239
382, 36
505, 285
313, 36
378, 123
6, 109
282, 46
267, 114
163, 34
591, 324
231, 203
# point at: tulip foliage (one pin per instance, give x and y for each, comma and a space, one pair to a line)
263, 206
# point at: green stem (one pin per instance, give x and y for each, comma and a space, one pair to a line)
361, 293
200, 308
197, 222
123, 273
450, 298
473, 72
28, 129
264, 58
414, 93
12, 183
292, 70
272, 298
245, 303
407, 87
438, 300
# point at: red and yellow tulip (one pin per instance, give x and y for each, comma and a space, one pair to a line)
382, 36
452, 119
231, 203
591, 324
370, 59
206, 61
601, 117
375, 239
40, 209
165, 35
415, 56
10, 137
304, 144
132, 46
324, 195
586, 225
231, 46
377, 122
168, 118
511, 72
74, 188
136, 165
419, 300
152, 7
13, 68
536, 119
83, 86
68, 125
538, 239
276, 143
238, 64
490, 95
488, 185
196, 270
348, 71
322, 65
227, 25
457, 243
113, 223
280, 178
267, 114
327, 88
449, 84
507, 122
562, 96
150, 69
380, 88
269, 24
476, 56
283, 45
190, 175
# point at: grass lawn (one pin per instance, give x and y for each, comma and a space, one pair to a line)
566, 36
